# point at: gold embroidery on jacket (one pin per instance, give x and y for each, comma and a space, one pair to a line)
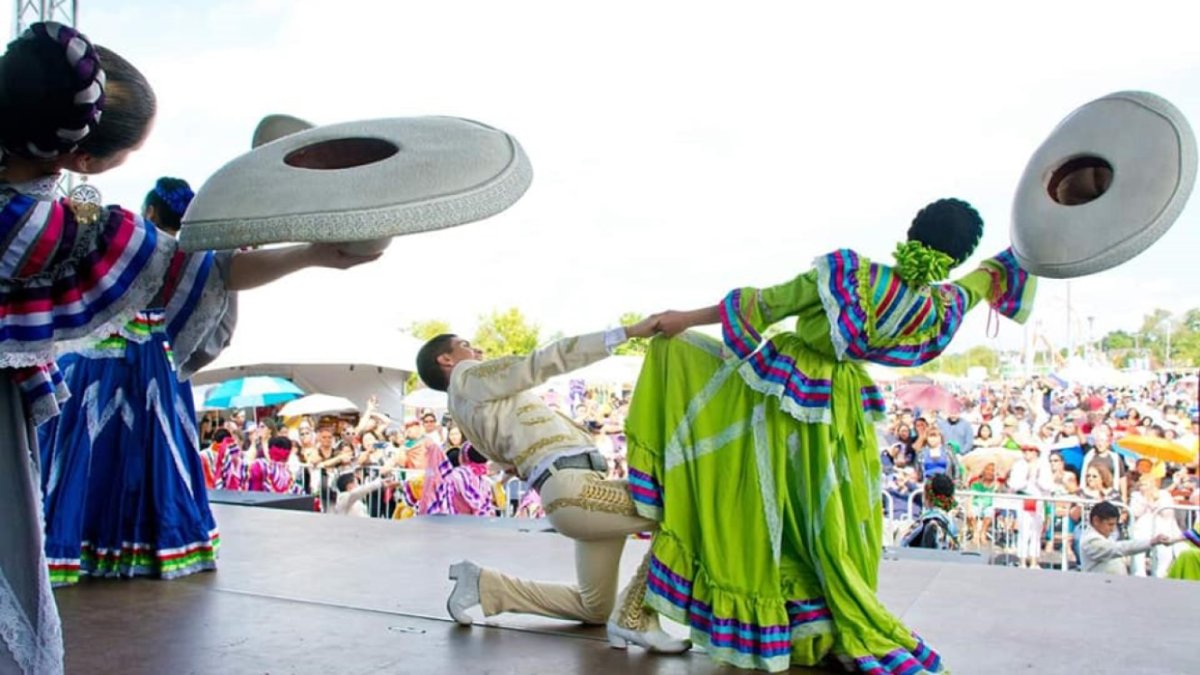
575, 424
540, 444
493, 367
533, 421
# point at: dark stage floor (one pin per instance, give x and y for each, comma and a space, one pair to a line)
308, 593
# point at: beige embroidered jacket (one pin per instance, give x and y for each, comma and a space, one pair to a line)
491, 402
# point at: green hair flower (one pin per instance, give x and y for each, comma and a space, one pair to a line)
918, 265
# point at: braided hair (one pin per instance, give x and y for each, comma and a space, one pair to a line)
56, 86
169, 199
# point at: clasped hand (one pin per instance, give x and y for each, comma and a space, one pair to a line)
669, 323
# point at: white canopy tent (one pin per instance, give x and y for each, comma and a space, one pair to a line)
613, 372
353, 364
317, 404
1079, 372
427, 398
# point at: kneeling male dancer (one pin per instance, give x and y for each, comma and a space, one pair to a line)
492, 403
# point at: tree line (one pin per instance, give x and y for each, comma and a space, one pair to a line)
1164, 339
506, 332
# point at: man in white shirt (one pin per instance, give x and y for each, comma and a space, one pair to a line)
434, 431
350, 494
1102, 554
492, 404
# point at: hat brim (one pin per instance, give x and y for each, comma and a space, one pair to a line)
359, 181
274, 127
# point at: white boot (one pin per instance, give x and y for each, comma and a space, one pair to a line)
653, 639
465, 595
632, 622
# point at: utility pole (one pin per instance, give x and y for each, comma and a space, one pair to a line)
1091, 336
1070, 336
66, 12
1167, 356
32, 11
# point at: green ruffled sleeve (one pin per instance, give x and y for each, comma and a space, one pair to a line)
1004, 284
747, 312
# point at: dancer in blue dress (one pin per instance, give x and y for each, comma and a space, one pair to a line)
123, 488
73, 270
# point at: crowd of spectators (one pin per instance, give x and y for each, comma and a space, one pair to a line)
1026, 460
1011, 448
370, 465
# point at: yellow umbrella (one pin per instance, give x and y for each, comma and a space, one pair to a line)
1153, 447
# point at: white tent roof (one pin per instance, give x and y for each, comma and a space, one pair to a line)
354, 362
427, 398
1095, 374
614, 370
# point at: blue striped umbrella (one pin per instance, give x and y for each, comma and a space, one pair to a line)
251, 392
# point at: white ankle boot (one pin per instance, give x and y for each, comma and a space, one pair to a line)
465, 595
655, 639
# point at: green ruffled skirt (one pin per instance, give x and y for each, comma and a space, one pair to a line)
770, 536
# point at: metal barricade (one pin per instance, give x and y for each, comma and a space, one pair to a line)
897, 522
1071, 525
1160, 557
893, 523
514, 489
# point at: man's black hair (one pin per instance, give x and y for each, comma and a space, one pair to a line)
1104, 511
428, 368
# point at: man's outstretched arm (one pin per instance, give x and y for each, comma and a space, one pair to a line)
509, 375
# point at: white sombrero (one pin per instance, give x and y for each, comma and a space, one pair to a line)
357, 182
1108, 182
275, 127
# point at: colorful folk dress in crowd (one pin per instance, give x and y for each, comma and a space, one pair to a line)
271, 474
758, 458
454, 490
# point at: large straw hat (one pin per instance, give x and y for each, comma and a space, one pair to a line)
275, 127
357, 182
1108, 182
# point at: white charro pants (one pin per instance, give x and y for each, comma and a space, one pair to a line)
599, 515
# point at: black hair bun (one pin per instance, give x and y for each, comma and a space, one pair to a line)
951, 226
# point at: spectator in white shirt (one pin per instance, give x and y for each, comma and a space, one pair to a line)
1153, 513
1101, 451
350, 494
434, 431
1031, 475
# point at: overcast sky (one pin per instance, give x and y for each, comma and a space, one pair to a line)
679, 148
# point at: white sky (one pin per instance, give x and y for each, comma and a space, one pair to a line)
679, 148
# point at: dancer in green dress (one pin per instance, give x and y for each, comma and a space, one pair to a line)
759, 460
1187, 562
